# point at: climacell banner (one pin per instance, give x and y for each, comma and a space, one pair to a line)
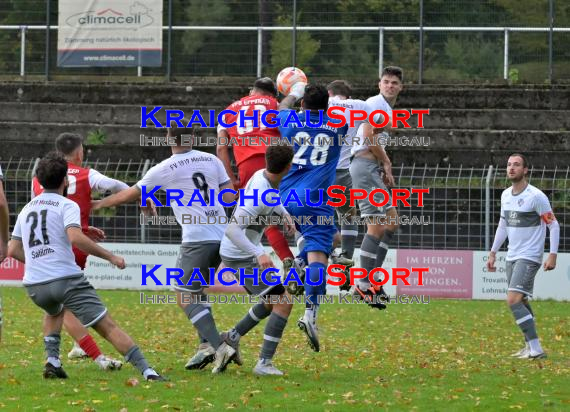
109, 33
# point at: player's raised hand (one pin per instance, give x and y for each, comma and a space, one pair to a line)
265, 261
95, 234
298, 90
491, 263
550, 262
118, 261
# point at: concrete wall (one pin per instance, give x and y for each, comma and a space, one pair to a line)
469, 125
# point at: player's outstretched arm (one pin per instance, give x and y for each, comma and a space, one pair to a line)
80, 241
124, 196
297, 92
16, 250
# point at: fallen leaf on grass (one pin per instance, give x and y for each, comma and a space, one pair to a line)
132, 382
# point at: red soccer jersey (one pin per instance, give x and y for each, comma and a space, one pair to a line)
79, 190
250, 147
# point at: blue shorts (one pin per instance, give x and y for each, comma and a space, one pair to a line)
318, 237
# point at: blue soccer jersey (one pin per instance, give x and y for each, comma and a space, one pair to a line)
315, 161
317, 152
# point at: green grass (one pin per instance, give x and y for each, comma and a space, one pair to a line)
446, 355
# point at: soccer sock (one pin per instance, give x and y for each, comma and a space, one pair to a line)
272, 335
527, 305
200, 337
135, 357
87, 343
278, 242
315, 283
525, 320
51, 343
368, 253
348, 233
383, 247
300, 241
255, 315
203, 321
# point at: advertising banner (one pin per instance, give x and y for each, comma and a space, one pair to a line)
109, 33
449, 273
554, 284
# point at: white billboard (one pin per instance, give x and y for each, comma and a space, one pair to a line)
109, 33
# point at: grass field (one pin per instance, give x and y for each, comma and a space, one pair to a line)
446, 355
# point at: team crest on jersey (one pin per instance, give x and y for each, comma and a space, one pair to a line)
520, 202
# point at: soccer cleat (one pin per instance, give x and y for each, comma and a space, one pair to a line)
341, 260
312, 332
523, 353
536, 355
292, 286
108, 364
203, 357
265, 367
374, 296
76, 353
224, 355
234, 344
152, 375
348, 263
51, 372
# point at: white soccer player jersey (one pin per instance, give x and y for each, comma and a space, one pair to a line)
377, 102
526, 215
191, 172
250, 246
102, 183
41, 226
349, 104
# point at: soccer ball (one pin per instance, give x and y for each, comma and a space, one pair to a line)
288, 77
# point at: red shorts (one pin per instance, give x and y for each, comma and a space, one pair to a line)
248, 167
80, 258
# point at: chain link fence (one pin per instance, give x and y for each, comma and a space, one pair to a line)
460, 212
436, 41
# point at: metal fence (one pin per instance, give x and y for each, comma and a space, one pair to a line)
462, 208
435, 41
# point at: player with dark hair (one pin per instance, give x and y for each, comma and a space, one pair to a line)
43, 236
313, 171
525, 215
82, 182
192, 171
250, 157
241, 249
339, 96
370, 169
